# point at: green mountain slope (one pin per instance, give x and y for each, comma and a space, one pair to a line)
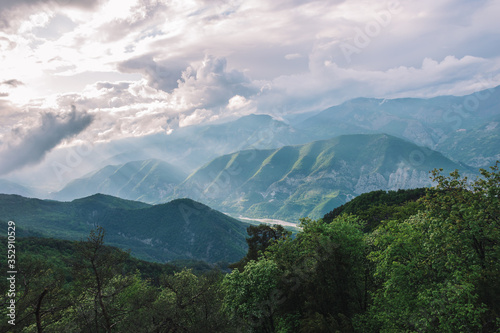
149, 181
311, 179
181, 229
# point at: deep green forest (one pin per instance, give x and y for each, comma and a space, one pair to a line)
424, 260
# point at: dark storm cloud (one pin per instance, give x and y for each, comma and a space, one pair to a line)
31, 146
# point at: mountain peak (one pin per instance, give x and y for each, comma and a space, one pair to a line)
110, 201
254, 119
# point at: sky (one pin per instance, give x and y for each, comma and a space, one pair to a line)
100, 70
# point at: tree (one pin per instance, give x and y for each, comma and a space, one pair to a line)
40, 295
439, 271
261, 237
376, 206
325, 276
190, 303
97, 271
251, 296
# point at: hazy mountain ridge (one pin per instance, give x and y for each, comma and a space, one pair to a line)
9, 187
435, 122
479, 146
193, 146
181, 229
150, 181
311, 179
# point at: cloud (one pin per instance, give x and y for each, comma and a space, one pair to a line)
12, 12
292, 56
209, 90
204, 91
10, 4
204, 60
13, 83
142, 15
210, 84
328, 84
27, 147
9, 84
123, 109
162, 76
6, 44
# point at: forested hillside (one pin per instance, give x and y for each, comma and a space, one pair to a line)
180, 229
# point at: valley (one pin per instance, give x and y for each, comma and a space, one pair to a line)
256, 168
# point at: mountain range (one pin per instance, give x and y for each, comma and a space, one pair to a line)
441, 123
283, 183
9, 187
463, 128
192, 146
187, 148
256, 167
180, 229
311, 179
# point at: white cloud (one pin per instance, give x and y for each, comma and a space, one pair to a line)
237, 102
209, 84
160, 76
328, 84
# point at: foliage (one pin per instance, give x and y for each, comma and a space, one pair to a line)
190, 303
250, 296
261, 237
324, 276
439, 271
85, 286
376, 206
